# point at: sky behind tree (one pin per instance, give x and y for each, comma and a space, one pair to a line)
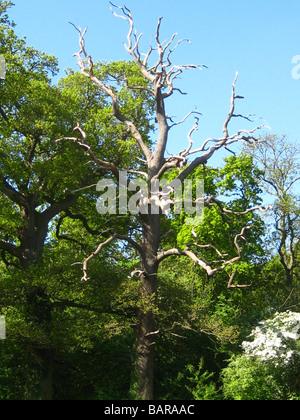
259, 39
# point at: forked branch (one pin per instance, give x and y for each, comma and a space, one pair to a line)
83, 58
207, 150
103, 245
82, 143
162, 73
199, 260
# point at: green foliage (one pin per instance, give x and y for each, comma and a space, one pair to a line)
203, 389
269, 367
237, 184
246, 379
92, 110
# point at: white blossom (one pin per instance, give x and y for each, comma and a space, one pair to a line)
275, 340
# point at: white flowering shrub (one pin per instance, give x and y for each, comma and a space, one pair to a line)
276, 340
269, 368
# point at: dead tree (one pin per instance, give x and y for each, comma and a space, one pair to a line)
161, 77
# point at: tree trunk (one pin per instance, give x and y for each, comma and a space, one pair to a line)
39, 380
145, 329
287, 256
144, 348
47, 389
38, 305
32, 235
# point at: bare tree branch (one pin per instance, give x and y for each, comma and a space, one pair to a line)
199, 260
107, 165
245, 136
236, 286
133, 50
186, 253
162, 75
103, 245
232, 108
212, 199
110, 92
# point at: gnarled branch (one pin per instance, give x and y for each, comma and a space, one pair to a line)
104, 244
82, 143
89, 73
199, 260
245, 136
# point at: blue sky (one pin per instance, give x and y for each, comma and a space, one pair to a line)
257, 38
